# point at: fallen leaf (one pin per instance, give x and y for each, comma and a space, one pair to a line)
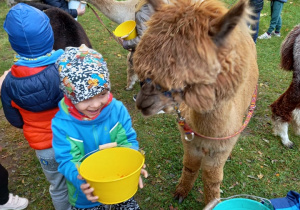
251, 177
260, 176
266, 140
232, 186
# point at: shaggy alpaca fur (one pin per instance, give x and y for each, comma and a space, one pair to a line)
204, 55
67, 31
131, 75
286, 109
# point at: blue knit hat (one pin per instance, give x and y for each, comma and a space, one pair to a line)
29, 31
83, 73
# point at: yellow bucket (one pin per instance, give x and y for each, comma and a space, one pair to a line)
126, 30
113, 173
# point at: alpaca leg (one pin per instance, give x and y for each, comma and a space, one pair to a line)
296, 121
131, 76
281, 129
212, 173
190, 171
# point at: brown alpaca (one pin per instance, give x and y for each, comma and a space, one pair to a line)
202, 55
67, 31
286, 109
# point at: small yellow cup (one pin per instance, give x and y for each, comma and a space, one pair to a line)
126, 30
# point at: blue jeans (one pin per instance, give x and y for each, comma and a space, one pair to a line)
58, 187
276, 22
255, 26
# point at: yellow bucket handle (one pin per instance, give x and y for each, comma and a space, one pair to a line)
101, 147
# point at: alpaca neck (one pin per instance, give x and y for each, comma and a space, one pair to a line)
116, 11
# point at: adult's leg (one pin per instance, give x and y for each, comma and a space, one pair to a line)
276, 8
255, 26
58, 187
279, 22
4, 192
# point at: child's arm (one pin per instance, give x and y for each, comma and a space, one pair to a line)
123, 133
67, 154
12, 114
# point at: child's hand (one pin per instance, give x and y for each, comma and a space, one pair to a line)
145, 174
88, 191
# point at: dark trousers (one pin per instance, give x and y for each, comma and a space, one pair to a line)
4, 193
255, 25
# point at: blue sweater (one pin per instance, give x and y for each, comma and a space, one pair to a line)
73, 138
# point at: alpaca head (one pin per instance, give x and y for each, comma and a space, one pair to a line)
152, 98
181, 51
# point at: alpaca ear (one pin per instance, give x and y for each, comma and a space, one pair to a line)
224, 25
155, 4
287, 48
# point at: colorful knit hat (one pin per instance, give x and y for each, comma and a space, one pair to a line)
29, 31
83, 73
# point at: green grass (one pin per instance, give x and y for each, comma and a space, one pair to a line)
260, 165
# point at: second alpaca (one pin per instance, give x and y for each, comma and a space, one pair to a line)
286, 109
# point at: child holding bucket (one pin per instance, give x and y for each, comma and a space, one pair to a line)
89, 116
30, 92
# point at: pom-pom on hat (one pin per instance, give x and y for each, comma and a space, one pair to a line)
83, 73
29, 31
